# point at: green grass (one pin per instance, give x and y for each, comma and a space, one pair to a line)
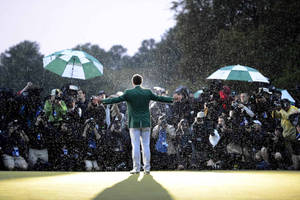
4, 175
164, 185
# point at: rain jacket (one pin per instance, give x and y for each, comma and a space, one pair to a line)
55, 112
289, 131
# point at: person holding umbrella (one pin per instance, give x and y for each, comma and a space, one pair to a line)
139, 124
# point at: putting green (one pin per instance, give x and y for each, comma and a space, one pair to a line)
169, 185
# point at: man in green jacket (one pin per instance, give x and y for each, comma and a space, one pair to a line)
139, 124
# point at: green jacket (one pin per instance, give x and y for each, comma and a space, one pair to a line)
137, 100
56, 116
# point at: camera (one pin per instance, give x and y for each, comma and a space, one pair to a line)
163, 120
91, 122
211, 131
58, 98
295, 119
235, 105
274, 96
70, 90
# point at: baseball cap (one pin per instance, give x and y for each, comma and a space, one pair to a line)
54, 91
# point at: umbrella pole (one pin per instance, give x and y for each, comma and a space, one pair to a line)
72, 70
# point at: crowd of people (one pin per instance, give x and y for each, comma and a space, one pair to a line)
218, 129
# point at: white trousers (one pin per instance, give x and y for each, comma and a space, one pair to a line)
35, 154
12, 162
91, 164
140, 136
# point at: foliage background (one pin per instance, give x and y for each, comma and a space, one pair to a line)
209, 34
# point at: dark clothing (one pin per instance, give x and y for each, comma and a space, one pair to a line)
83, 106
38, 137
98, 113
259, 140
13, 145
201, 135
181, 110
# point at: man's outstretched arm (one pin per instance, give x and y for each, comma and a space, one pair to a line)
164, 99
114, 100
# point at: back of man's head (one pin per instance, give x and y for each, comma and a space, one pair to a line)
137, 79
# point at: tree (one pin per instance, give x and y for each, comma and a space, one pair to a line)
22, 63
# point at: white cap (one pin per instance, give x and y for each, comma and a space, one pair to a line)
200, 115
53, 92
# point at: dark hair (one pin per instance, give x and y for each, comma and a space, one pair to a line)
137, 79
81, 91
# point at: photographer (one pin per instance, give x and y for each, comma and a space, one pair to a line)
260, 143
113, 148
155, 112
265, 101
30, 107
69, 91
164, 135
212, 108
9, 107
182, 109
200, 138
225, 99
14, 147
38, 151
82, 102
185, 147
244, 109
68, 151
91, 145
289, 130
279, 158
55, 108
73, 116
96, 111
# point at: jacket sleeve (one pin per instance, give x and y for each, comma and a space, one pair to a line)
160, 98
115, 100
155, 131
48, 109
63, 108
276, 114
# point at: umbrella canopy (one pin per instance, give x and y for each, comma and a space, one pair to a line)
197, 94
73, 64
238, 73
286, 95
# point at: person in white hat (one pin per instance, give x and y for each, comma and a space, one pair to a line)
200, 138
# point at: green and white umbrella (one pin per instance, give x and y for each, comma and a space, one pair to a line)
238, 73
73, 64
